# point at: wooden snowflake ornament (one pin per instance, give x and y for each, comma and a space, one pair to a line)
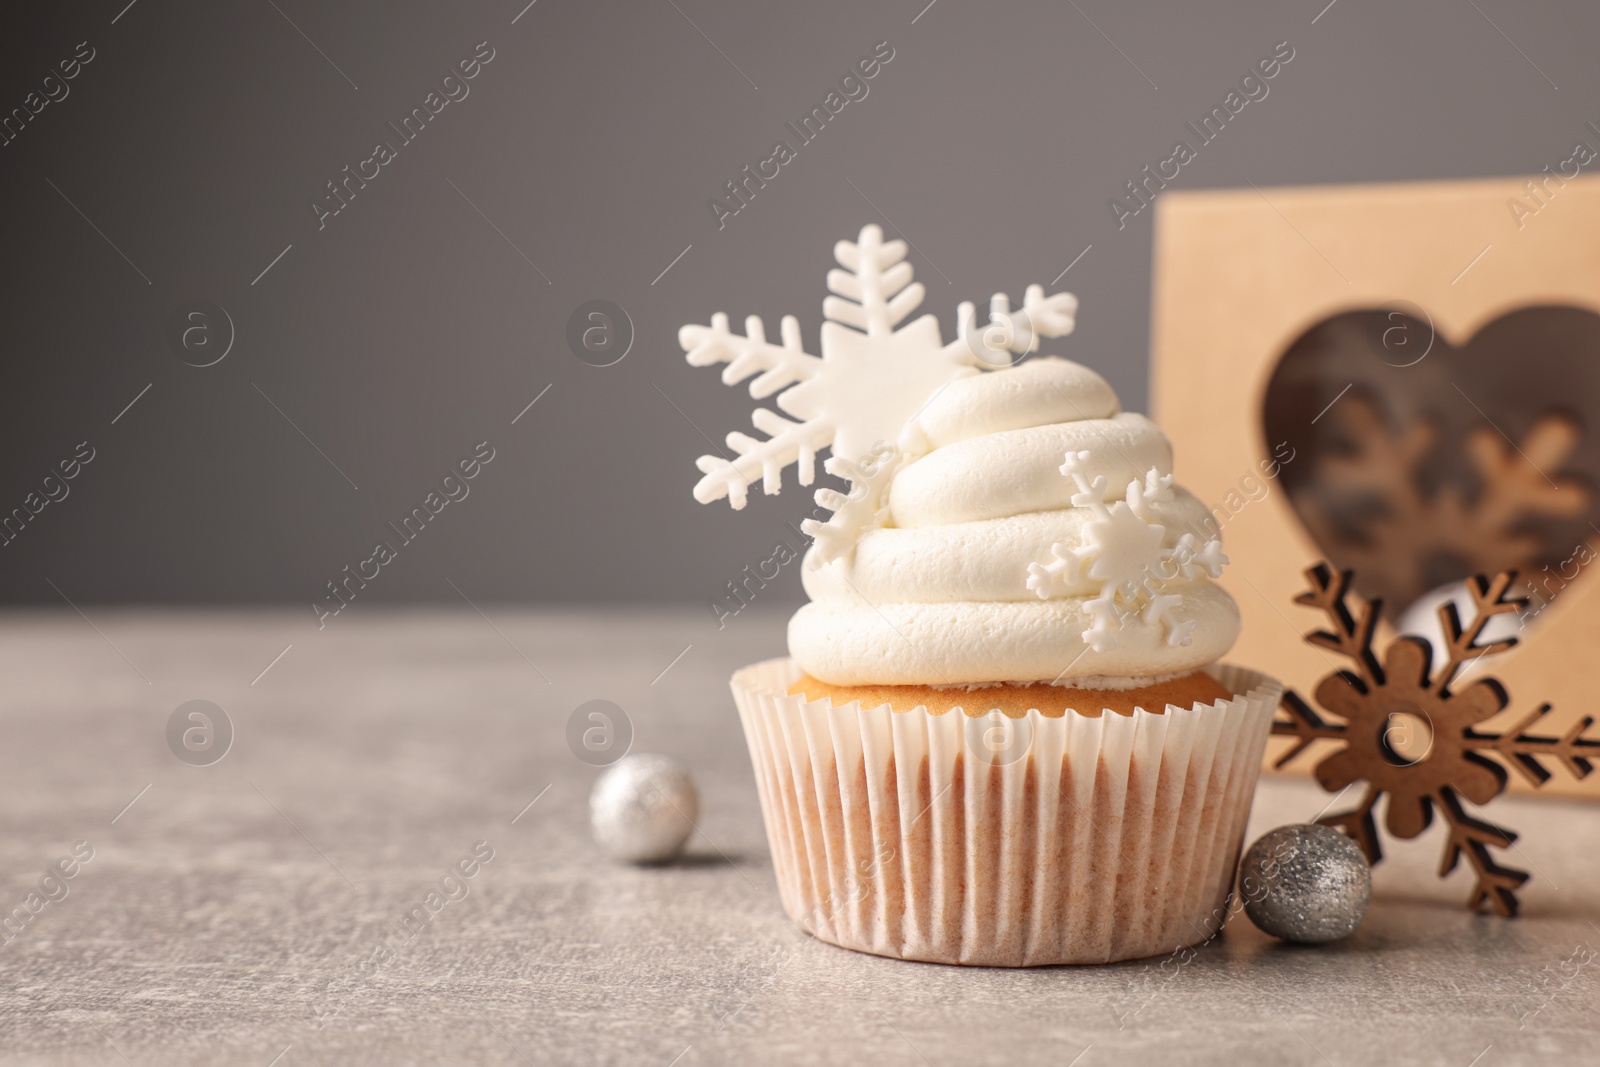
873, 376
1460, 763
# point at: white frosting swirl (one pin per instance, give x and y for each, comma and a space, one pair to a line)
940, 595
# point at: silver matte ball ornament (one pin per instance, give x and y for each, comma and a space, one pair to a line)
643, 808
1305, 883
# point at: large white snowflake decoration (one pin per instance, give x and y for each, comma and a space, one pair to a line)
874, 375
1122, 550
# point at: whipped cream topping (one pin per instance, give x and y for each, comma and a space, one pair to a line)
941, 593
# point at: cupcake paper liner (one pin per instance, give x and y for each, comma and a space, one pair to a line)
1004, 842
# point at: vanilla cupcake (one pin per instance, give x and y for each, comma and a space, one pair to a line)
1003, 735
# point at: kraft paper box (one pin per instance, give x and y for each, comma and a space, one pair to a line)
1405, 380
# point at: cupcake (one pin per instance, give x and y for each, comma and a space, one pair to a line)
1003, 734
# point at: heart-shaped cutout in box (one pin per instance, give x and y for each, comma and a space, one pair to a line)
1422, 462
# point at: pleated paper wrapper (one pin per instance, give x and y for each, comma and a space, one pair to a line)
1004, 842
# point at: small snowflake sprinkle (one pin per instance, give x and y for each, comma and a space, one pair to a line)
1123, 551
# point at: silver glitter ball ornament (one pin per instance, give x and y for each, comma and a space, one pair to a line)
1305, 883
643, 809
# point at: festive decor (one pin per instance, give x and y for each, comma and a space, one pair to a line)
1122, 550
873, 376
643, 808
1379, 702
1258, 346
1305, 883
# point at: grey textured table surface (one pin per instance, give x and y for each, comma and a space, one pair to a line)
231, 907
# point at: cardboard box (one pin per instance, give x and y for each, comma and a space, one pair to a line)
1416, 298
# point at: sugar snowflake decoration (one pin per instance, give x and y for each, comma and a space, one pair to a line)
873, 376
862, 508
1122, 550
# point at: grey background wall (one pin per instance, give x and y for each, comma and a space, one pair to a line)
382, 344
